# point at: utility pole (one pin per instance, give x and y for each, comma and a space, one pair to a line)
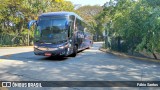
105, 34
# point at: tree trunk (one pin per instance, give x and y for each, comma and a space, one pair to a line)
119, 43
154, 55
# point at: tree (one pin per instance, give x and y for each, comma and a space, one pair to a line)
88, 13
15, 14
137, 23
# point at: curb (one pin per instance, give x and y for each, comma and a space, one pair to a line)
17, 47
4, 88
128, 56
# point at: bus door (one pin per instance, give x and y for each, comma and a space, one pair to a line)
71, 35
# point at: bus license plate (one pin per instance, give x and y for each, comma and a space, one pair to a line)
48, 54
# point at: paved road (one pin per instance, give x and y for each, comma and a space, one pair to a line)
21, 64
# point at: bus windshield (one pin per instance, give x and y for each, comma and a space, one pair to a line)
51, 30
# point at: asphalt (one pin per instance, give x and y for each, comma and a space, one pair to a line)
20, 64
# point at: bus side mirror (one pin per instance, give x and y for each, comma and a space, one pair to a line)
30, 23
68, 23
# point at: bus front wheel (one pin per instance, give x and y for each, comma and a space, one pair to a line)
75, 50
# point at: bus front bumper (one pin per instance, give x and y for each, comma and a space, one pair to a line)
51, 51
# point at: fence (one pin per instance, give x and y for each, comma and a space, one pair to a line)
14, 40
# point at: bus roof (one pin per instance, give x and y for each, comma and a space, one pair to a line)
60, 14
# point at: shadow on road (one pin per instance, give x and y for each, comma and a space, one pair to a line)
91, 65
29, 56
54, 58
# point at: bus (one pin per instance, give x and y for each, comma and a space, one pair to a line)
60, 34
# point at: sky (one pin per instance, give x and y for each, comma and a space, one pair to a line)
89, 2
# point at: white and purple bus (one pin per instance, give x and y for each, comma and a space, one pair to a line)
60, 34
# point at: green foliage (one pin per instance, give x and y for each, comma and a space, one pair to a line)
88, 13
136, 23
15, 14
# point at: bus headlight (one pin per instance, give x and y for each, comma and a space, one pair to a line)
35, 46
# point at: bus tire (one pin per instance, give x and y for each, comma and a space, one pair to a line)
75, 50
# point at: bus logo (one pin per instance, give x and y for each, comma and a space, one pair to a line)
6, 84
